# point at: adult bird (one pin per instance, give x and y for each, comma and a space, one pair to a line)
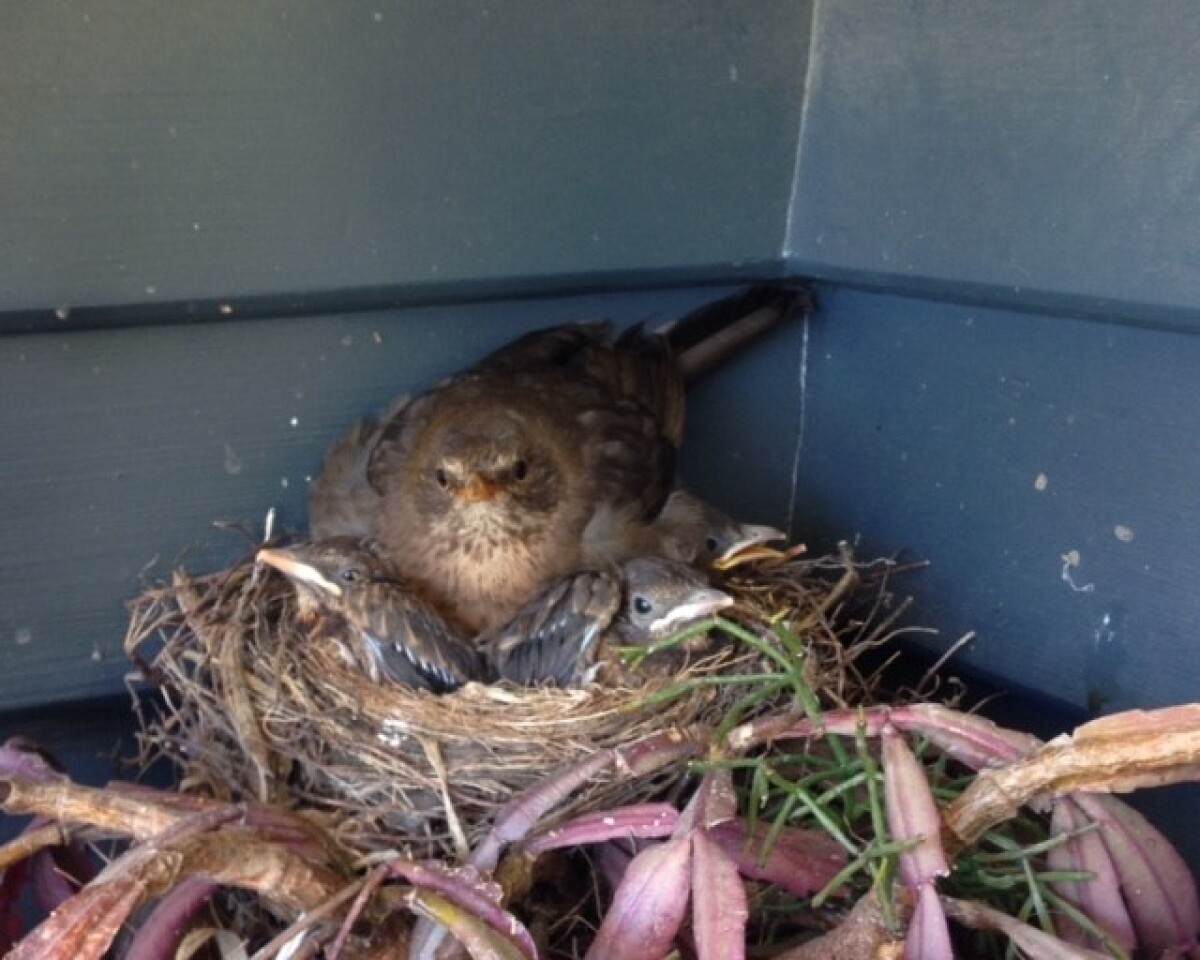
557, 637
552, 455
350, 593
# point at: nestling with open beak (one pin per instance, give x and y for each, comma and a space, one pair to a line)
556, 637
347, 591
694, 530
553, 455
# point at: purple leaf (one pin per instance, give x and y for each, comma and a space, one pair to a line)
649, 905
799, 861
51, 887
928, 932
194, 824
513, 823
845, 723
1100, 898
84, 927
657, 751
1159, 889
912, 812
972, 740
54, 872
12, 881
644, 820
481, 940
17, 761
613, 860
465, 889
168, 923
57, 872
521, 814
1032, 942
719, 906
714, 802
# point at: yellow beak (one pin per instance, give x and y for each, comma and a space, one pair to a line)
290, 566
478, 489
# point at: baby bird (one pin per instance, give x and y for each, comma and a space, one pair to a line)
346, 590
694, 530
556, 637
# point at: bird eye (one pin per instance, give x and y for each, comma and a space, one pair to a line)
442, 478
349, 575
520, 469
642, 605
710, 544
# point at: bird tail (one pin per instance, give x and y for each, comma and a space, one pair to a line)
708, 337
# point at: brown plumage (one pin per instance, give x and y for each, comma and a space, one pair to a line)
557, 636
552, 455
348, 592
341, 501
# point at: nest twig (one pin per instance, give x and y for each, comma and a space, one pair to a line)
251, 709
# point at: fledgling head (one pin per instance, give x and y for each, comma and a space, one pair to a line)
327, 573
663, 596
399, 637
725, 537
695, 530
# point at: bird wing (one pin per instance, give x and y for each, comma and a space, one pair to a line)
564, 346
391, 445
413, 645
628, 464
553, 638
342, 502
643, 376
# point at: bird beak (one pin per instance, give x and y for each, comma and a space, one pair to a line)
479, 489
752, 536
769, 556
291, 566
701, 604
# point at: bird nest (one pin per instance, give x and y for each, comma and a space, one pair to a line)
248, 708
